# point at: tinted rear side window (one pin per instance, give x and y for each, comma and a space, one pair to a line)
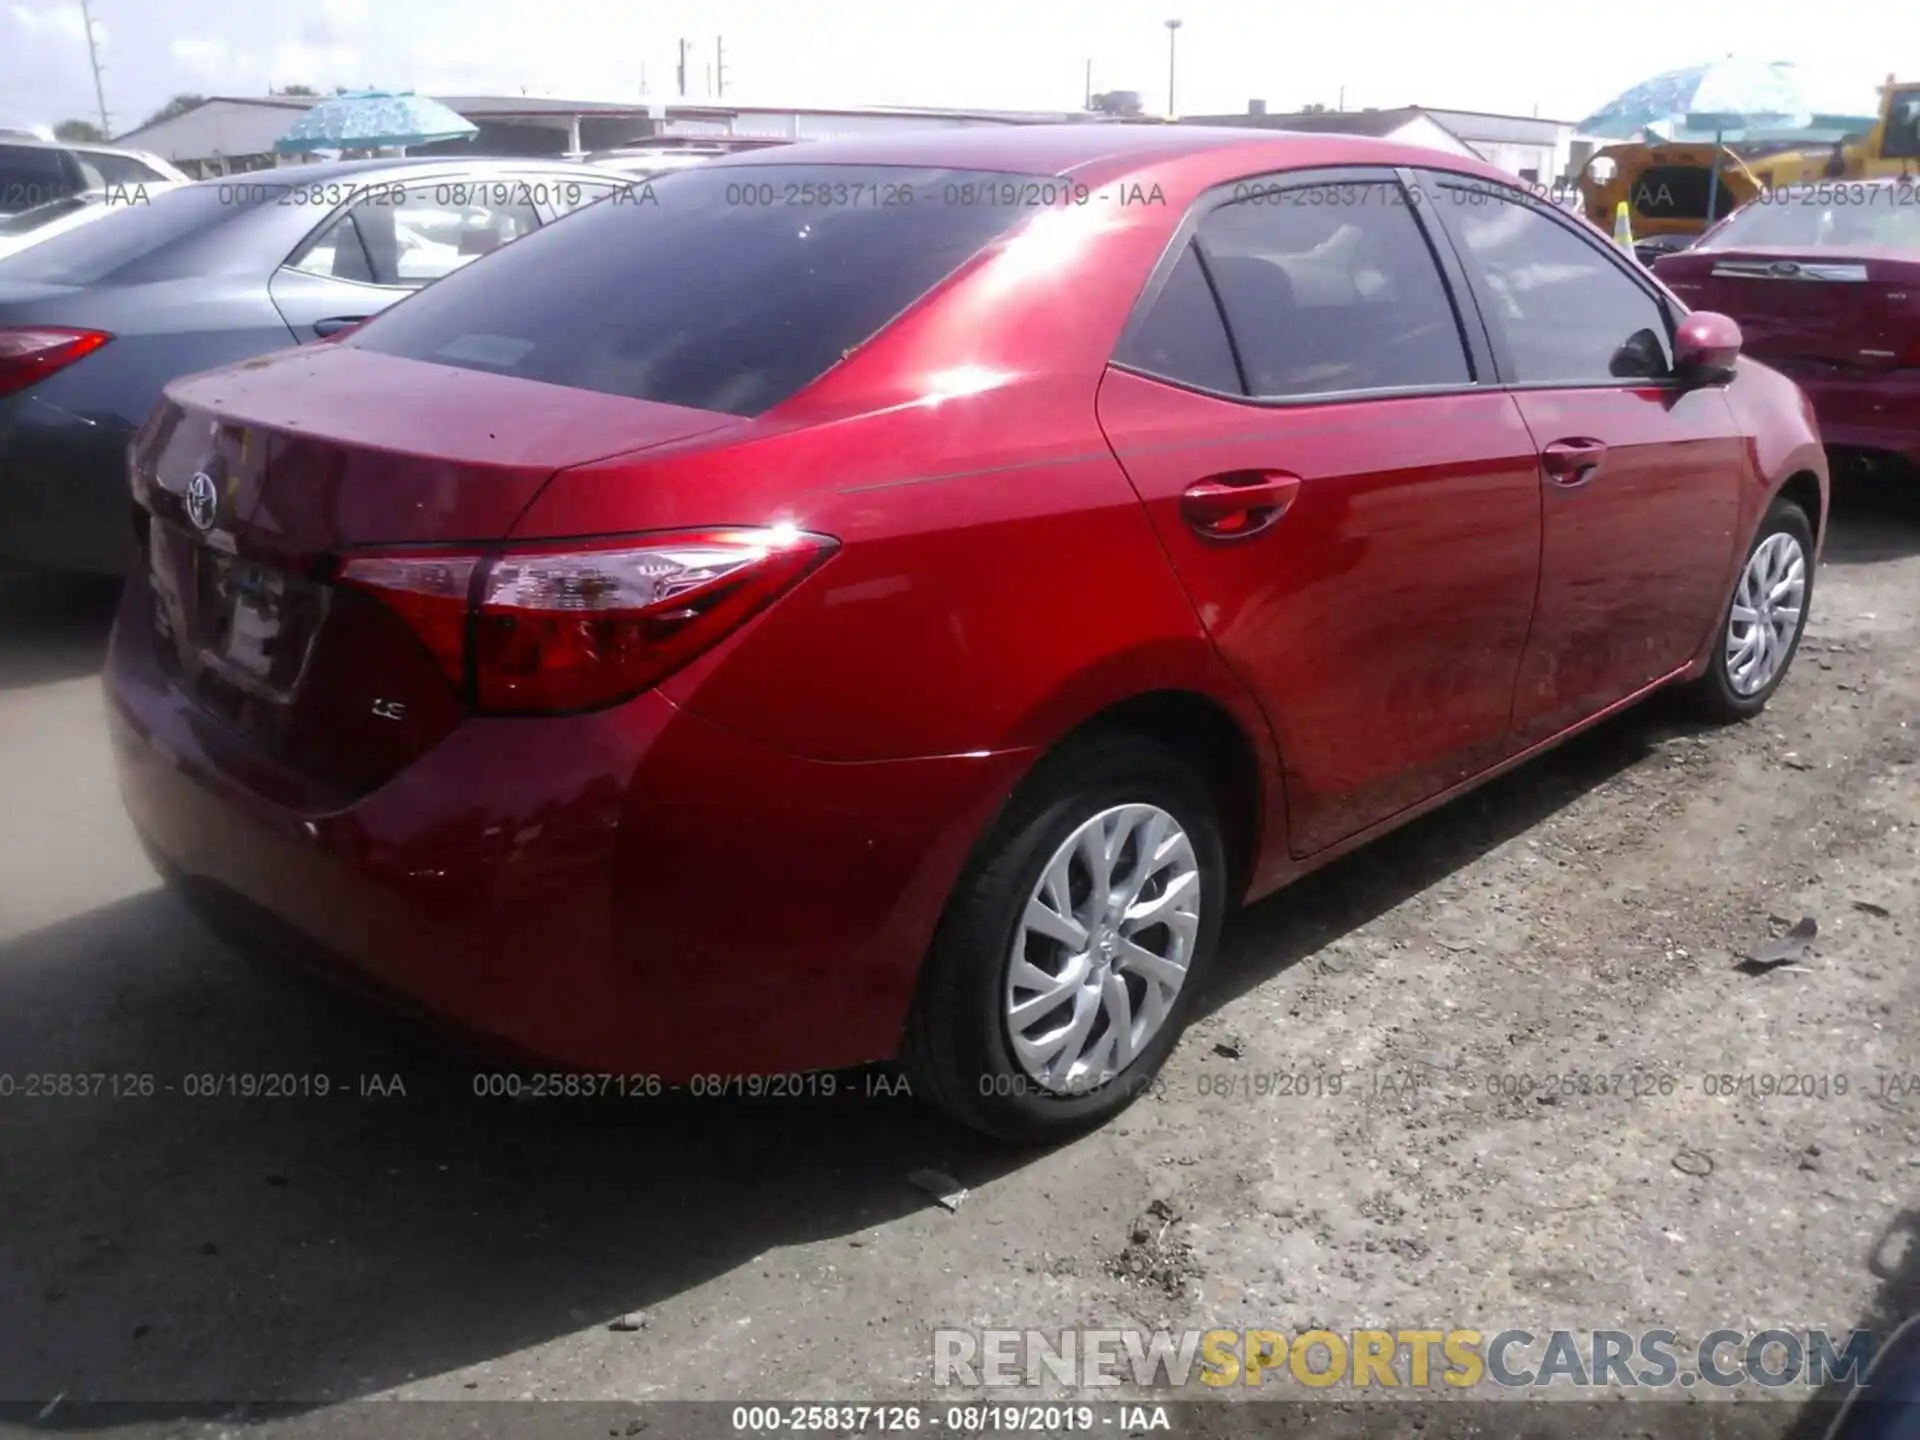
724, 288
1181, 336
1333, 288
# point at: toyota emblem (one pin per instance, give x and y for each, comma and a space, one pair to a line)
1784, 268
203, 500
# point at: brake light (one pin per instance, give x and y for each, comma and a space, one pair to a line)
577, 627
30, 353
1912, 355
430, 593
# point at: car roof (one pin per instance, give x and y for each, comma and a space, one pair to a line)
1098, 150
403, 168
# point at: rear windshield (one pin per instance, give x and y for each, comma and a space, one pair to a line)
723, 288
1838, 215
136, 234
1678, 192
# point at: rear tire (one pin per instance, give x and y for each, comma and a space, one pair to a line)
1764, 618
1034, 943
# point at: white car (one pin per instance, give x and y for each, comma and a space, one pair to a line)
45, 222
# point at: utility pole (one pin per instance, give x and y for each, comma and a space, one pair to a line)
1173, 29
1089, 104
93, 55
682, 76
719, 64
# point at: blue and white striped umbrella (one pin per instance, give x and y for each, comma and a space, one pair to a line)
1734, 96
373, 120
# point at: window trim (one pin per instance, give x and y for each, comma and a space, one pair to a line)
361, 191
1473, 344
1631, 271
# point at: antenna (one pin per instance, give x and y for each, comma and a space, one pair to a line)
93, 56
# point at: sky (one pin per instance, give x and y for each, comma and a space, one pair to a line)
1559, 61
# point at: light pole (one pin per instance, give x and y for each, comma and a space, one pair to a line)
1173, 29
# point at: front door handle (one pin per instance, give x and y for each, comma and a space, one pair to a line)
1238, 504
1572, 463
336, 326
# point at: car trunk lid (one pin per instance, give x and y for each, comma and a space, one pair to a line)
1807, 307
253, 484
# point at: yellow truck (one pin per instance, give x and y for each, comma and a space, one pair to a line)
1891, 147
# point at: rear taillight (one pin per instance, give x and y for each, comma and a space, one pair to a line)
1912, 355
28, 354
540, 629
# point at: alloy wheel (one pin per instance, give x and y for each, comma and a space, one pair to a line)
1767, 604
1103, 948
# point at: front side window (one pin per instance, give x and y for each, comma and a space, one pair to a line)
1331, 288
1901, 139
1569, 314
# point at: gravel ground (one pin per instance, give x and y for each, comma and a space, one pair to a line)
1379, 1120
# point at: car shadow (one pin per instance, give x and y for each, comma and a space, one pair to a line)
1278, 932
170, 1241
52, 627
1872, 522
1893, 1258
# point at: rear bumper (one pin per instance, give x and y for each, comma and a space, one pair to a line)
1882, 413
64, 499
634, 891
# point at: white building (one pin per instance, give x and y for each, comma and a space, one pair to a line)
1408, 125
228, 133
1532, 149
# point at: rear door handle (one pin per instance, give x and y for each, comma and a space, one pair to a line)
1238, 504
1572, 463
324, 328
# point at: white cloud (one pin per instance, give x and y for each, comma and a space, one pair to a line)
201, 55
346, 14
64, 20
316, 65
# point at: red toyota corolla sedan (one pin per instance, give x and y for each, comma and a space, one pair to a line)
892, 598
1824, 280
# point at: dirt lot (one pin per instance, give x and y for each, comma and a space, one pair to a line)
1581, 917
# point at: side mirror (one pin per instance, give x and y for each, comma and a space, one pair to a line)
1705, 348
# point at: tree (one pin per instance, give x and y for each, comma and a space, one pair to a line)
178, 105
79, 132
298, 90
1118, 102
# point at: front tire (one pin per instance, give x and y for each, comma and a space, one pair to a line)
1765, 616
1072, 949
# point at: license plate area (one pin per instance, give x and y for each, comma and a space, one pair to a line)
250, 625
